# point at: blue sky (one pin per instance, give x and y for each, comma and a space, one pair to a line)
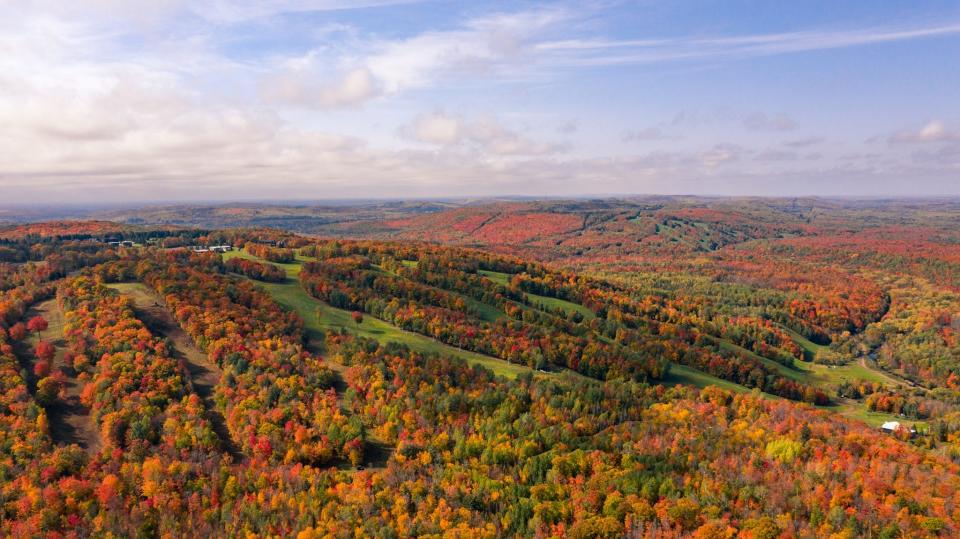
112, 101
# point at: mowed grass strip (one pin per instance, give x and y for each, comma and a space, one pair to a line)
292, 296
814, 374
858, 411
681, 374
487, 313
544, 302
851, 372
810, 348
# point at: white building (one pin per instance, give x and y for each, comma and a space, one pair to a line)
890, 426
894, 426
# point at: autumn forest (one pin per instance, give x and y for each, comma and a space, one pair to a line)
651, 367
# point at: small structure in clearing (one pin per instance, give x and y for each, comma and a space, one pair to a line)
892, 427
211, 249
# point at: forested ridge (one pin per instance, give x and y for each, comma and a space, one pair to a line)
331, 433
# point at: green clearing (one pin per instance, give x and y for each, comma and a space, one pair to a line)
545, 303
797, 375
292, 296
851, 372
55, 325
136, 291
857, 411
816, 374
681, 374
810, 348
487, 313
497, 277
819, 375
804, 372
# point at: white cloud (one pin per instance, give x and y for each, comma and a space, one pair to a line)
294, 88
934, 131
946, 157
486, 134
721, 154
480, 46
93, 110
436, 128
85, 118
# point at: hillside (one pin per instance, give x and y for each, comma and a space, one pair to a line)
855, 284
302, 386
636, 228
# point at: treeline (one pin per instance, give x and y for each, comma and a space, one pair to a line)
24, 427
621, 306
272, 254
278, 399
351, 283
256, 270
137, 393
438, 295
29, 283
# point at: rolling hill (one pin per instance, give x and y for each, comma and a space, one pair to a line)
300, 386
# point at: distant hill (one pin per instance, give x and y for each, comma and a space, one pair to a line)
63, 229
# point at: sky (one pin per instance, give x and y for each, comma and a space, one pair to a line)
106, 101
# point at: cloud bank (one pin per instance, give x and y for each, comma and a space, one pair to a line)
173, 100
